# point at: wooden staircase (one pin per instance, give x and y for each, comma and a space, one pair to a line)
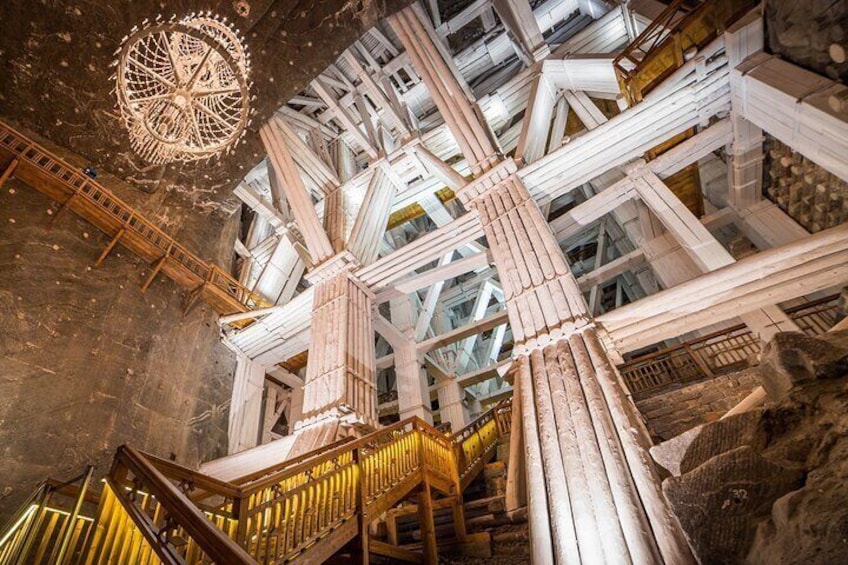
310, 509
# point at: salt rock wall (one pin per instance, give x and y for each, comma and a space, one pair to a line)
88, 362
673, 412
771, 486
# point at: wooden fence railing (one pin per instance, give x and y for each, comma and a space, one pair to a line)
65, 183
719, 353
662, 47
154, 510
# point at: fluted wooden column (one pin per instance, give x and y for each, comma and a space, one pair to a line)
592, 493
412, 389
340, 373
445, 84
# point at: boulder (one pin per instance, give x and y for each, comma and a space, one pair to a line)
725, 498
791, 359
690, 449
771, 486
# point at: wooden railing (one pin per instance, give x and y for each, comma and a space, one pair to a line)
308, 508
49, 530
145, 518
97, 204
663, 46
477, 441
719, 353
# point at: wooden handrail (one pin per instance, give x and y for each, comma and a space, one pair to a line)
175, 471
245, 480
211, 540
672, 348
660, 47
328, 455
719, 352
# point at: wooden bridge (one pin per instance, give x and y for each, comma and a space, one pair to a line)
55, 178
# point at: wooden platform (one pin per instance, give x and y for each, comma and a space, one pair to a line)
34, 165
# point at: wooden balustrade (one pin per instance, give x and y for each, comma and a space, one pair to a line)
66, 184
664, 45
144, 517
50, 527
718, 353
154, 510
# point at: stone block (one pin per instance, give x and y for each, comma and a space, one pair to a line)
692, 448
724, 498
792, 359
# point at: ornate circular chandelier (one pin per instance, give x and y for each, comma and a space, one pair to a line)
183, 89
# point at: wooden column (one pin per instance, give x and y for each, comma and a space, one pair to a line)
245, 423
451, 409
592, 493
372, 218
517, 17
412, 389
428, 526
296, 193
451, 95
340, 375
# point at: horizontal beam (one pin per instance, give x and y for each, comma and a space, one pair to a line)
435, 275
815, 263
487, 323
628, 262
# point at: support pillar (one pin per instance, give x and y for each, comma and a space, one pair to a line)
593, 496
452, 411
245, 420
413, 392
339, 392
450, 93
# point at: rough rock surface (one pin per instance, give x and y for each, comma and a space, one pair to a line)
675, 411
779, 492
803, 32
793, 359
88, 362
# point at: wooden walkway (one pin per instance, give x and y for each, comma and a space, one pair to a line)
60, 181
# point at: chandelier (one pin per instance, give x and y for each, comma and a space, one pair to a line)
183, 89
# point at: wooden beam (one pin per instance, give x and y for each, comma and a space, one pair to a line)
296, 193
112, 243
394, 552
815, 263
462, 332
7, 172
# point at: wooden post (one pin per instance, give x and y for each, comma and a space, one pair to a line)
7, 172
65, 205
363, 554
428, 527
516, 482
156, 268
112, 244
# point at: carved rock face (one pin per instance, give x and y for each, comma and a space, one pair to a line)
771, 486
792, 359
